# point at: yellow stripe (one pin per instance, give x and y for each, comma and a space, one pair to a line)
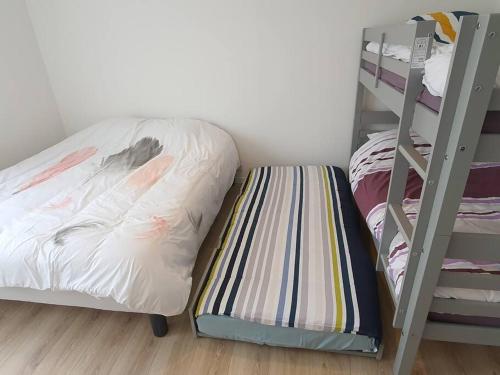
335, 261
446, 26
223, 246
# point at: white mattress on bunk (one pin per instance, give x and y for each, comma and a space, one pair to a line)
436, 67
116, 212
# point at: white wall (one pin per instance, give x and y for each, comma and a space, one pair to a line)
278, 75
29, 120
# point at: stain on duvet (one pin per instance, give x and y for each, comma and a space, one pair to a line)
69, 161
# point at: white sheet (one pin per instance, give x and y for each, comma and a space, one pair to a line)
436, 67
127, 227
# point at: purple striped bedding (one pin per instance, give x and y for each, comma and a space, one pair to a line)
491, 122
479, 212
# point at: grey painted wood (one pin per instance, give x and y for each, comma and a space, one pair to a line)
426, 123
377, 355
468, 280
454, 133
445, 122
402, 222
416, 160
379, 58
358, 106
390, 283
469, 113
477, 246
378, 117
457, 332
488, 149
401, 166
403, 34
392, 98
465, 307
495, 100
389, 63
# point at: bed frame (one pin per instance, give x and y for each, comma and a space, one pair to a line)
455, 133
77, 299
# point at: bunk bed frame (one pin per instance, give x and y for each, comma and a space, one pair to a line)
455, 134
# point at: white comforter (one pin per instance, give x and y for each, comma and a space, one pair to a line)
117, 211
435, 69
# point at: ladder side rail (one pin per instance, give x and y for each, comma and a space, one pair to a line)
449, 102
400, 168
358, 106
475, 94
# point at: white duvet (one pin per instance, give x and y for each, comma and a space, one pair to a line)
116, 211
435, 69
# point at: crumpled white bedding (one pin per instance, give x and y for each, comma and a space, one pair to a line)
435, 69
117, 211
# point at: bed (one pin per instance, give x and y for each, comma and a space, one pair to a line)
291, 269
371, 165
440, 205
479, 212
113, 216
491, 123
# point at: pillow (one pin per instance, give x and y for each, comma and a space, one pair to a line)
446, 24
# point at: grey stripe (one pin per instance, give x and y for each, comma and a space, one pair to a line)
326, 251
255, 251
304, 276
269, 259
280, 315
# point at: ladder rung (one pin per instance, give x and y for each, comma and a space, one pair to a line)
416, 160
404, 225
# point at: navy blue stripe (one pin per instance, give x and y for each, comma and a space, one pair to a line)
418, 18
459, 13
298, 241
234, 255
248, 244
349, 324
438, 39
365, 281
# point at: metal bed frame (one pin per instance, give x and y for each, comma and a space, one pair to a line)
455, 133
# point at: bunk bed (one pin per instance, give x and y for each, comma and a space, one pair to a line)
436, 144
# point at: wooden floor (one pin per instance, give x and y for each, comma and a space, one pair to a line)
44, 339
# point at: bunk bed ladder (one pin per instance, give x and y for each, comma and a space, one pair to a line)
479, 70
394, 217
407, 156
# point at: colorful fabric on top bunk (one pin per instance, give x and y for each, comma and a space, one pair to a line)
479, 212
446, 24
292, 256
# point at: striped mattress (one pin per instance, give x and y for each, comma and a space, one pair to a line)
291, 255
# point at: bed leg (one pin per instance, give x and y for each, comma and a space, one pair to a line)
159, 324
